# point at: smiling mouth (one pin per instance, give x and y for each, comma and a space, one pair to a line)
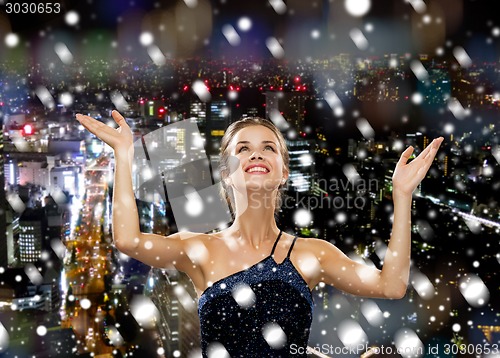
260, 170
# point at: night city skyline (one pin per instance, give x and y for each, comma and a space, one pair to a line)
349, 91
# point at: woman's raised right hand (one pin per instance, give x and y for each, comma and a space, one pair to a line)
120, 139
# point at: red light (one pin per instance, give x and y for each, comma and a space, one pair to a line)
161, 112
185, 88
28, 129
297, 78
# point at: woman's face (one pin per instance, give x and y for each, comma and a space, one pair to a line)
259, 164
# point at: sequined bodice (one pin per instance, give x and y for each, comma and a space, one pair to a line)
263, 311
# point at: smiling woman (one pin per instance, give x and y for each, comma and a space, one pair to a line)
254, 281
244, 139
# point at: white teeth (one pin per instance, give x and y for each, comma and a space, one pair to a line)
257, 169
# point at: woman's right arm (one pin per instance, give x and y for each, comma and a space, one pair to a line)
154, 250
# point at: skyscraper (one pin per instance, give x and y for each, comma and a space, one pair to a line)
290, 104
302, 164
173, 295
218, 116
32, 227
3, 203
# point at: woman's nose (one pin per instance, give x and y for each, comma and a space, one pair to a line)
255, 155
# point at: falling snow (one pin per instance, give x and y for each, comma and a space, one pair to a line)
349, 83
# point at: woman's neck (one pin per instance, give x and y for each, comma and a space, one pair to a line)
255, 220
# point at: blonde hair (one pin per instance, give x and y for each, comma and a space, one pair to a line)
226, 191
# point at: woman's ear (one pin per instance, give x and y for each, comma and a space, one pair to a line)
285, 177
286, 173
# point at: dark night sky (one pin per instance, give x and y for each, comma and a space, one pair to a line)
476, 13
468, 23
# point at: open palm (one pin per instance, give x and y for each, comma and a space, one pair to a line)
119, 139
407, 176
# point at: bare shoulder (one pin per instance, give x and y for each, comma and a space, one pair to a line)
188, 237
198, 241
315, 258
309, 255
314, 245
318, 248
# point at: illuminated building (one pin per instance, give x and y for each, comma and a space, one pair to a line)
172, 292
290, 104
3, 201
218, 116
33, 172
198, 110
32, 227
153, 109
301, 164
418, 140
352, 148
43, 297
170, 142
10, 173
65, 179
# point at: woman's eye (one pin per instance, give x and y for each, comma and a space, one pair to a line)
269, 147
242, 148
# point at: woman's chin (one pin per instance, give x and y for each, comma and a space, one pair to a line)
262, 185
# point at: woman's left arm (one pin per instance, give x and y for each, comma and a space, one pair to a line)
390, 282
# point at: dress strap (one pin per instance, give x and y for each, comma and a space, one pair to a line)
291, 247
275, 243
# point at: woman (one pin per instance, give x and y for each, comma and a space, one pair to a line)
254, 281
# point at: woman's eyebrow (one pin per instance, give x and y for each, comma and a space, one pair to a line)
264, 142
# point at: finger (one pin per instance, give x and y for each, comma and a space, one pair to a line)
405, 155
99, 129
89, 123
119, 119
86, 121
438, 141
423, 154
429, 158
434, 146
426, 150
